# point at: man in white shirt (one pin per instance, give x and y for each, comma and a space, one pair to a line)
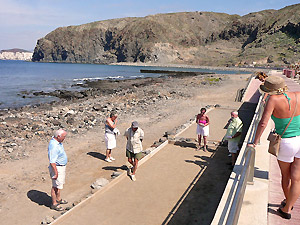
135, 136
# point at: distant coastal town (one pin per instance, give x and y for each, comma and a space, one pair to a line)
15, 54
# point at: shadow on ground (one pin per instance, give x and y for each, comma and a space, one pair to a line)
39, 197
115, 168
185, 144
97, 155
200, 201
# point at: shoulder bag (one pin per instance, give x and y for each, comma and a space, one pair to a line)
275, 138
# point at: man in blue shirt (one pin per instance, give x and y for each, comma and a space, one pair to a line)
57, 168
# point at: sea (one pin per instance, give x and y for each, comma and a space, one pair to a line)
19, 79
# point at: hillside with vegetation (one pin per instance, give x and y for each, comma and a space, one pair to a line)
269, 37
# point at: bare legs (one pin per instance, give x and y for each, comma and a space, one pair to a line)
199, 141
108, 153
134, 164
55, 195
290, 182
204, 142
233, 158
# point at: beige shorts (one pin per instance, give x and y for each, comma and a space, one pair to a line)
233, 146
59, 182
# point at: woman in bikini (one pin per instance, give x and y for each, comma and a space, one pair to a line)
202, 121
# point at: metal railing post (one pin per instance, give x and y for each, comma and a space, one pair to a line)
251, 165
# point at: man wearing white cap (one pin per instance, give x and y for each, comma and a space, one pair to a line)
135, 136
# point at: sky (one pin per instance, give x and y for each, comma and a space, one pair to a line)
23, 22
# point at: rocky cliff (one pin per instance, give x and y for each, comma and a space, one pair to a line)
200, 38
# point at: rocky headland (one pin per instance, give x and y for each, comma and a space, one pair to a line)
269, 37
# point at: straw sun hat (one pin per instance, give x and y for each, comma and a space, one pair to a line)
273, 85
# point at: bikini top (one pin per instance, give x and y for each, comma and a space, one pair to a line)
203, 121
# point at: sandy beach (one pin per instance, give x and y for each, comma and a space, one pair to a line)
160, 105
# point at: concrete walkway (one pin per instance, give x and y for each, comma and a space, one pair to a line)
178, 185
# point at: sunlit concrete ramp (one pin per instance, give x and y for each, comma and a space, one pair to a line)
177, 185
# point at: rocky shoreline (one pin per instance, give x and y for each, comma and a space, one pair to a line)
79, 112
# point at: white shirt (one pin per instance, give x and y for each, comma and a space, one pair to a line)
134, 143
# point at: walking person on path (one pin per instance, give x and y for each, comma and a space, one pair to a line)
233, 135
281, 106
135, 136
57, 168
202, 121
110, 135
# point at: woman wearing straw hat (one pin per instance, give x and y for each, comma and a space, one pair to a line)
280, 107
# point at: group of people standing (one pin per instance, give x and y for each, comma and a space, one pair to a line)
281, 106
58, 157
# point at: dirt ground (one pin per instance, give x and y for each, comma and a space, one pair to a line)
25, 183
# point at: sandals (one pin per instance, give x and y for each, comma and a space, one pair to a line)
56, 207
62, 201
283, 203
284, 214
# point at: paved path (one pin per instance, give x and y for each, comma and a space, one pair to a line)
178, 185
275, 191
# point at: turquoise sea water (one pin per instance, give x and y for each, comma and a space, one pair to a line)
17, 77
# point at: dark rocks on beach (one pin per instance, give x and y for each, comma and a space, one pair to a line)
70, 121
77, 115
97, 107
63, 94
56, 122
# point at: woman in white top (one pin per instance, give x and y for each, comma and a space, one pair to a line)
110, 135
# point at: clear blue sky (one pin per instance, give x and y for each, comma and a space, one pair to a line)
23, 22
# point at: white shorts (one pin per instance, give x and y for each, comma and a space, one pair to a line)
233, 146
289, 149
203, 131
59, 182
110, 141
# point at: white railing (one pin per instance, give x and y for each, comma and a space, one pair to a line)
229, 214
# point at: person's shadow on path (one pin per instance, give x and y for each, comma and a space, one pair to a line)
115, 168
39, 197
97, 155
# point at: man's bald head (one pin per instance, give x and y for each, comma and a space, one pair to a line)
234, 114
60, 135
